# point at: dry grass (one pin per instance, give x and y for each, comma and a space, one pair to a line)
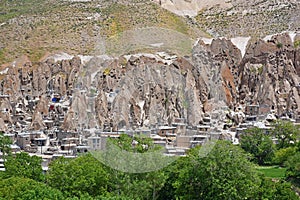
75, 28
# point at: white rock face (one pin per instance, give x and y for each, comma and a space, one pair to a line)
84, 59
191, 7
292, 35
79, 0
268, 37
241, 43
4, 71
61, 56
207, 40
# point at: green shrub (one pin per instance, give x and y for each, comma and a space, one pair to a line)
282, 155
279, 45
297, 43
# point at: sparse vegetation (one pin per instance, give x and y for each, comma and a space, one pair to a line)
10, 9
260, 69
262, 19
75, 28
106, 71
297, 43
2, 55
279, 45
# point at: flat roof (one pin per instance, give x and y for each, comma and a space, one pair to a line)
73, 138
94, 137
71, 145
40, 139
203, 126
82, 147
166, 127
200, 136
179, 124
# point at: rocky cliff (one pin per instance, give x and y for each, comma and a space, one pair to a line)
141, 90
267, 73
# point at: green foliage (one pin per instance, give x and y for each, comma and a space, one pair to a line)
93, 91
5, 143
76, 177
258, 144
143, 144
273, 171
282, 155
260, 69
14, 8
106, 71
137, 186
279, 45
293, 166
27, 189
24, 165
276, 190
286, 133
297, 43
168, 191
224, 174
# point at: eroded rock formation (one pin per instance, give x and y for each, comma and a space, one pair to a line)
150, 89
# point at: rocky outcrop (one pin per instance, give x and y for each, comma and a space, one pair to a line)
266, 75
217, 63
150, 90
191, 7
144, 91
269, 74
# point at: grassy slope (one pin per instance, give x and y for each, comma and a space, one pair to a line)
39, 26
14, 8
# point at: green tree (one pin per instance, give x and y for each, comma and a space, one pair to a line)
77, 177
276, 190
260, 145
168, 191
5, 143
283, 154
27, 189
137, 185
286, 133
293, 167
225, 173
24, 165
139, 144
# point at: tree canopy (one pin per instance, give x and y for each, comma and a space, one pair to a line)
75, 177
24, 165
27, 189
5, 143
227, 172
293, 166
260, 145
224, 174
286, 133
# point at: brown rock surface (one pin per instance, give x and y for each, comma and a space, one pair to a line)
151, 90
